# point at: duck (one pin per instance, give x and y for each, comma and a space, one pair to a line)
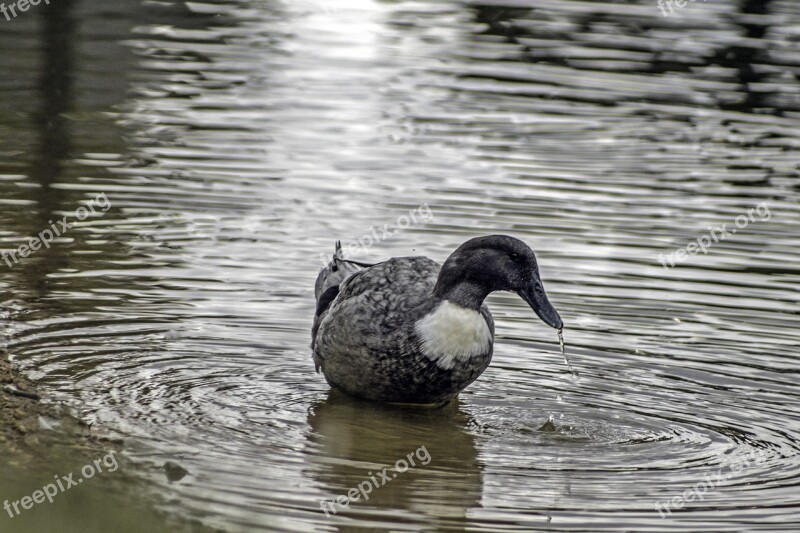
411, 331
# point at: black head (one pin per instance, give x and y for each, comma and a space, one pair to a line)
494, 263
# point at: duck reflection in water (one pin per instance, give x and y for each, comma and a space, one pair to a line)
352, 441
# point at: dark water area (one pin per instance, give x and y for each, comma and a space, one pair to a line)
215, 151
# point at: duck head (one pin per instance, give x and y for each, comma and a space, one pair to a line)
494, 263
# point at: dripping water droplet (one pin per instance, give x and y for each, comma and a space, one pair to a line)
564, 353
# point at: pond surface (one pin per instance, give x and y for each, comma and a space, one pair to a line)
226, 146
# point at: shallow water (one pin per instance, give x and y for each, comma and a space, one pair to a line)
236, 141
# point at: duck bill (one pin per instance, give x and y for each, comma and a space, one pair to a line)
538, 301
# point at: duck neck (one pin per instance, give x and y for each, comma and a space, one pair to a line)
463, 293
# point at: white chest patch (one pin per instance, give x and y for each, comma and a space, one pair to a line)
452, 333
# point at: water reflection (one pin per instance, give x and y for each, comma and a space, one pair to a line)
351, 439
54, 146
745, 58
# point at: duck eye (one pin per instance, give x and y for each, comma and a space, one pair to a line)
515, 257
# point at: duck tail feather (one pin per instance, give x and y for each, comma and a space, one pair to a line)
332, 275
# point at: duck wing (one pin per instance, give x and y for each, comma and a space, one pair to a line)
393, 286
372, 304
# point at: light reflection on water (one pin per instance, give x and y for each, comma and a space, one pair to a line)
238, 141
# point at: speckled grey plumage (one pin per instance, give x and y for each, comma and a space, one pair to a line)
365, 342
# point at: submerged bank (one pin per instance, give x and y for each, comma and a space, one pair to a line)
58, 474
22, 414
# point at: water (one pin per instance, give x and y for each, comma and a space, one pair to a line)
237, 141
